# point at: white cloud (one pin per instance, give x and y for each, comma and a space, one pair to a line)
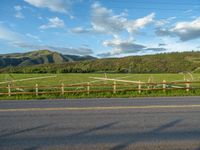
120, 46
10, 36
172, 45
18, 14
134, 25
189, 11
184, 30
40, 17
104, 20
33, 37
156, 49
65, 50
162, 44
19, 40
53, 23
81, 30
18, 8
163, 22
61, 6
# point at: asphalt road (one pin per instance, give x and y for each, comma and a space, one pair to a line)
114, 124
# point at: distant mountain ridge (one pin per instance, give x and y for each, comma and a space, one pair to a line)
38, 57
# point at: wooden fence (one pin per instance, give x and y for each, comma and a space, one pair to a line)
92, 88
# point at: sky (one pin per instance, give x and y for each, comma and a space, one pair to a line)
100, 28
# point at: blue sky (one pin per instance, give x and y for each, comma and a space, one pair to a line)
104, 28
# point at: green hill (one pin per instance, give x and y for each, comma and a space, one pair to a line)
160, 63
37, 57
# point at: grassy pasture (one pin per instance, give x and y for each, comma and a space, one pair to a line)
73, 78
84, 78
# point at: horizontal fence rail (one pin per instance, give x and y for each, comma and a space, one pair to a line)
92, 88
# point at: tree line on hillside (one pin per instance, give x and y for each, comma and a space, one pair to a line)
159, 63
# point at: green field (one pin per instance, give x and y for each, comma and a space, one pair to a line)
74, 78
58, 79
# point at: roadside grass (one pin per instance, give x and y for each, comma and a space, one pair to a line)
127, 94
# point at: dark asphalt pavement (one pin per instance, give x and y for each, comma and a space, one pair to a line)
113, 129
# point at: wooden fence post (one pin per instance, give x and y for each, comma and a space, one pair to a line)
139, 87
148, 86
114, 87
187, 86
36, 89
88, 88
62, 89
164, 85
9, 90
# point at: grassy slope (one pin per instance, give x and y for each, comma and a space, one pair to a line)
160, 63
30, 58
37, 57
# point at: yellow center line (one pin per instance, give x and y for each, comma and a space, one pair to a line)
99, 108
